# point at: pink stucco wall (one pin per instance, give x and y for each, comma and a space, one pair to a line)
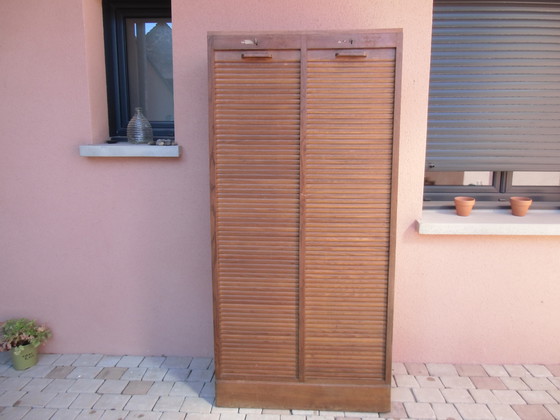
115, 253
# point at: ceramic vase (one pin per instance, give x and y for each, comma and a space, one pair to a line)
520, 205
464, 205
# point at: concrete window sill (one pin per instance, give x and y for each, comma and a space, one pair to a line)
129, 150
489, 222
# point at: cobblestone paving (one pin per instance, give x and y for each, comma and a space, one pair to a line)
94, 386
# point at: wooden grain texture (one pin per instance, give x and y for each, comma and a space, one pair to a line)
304, 396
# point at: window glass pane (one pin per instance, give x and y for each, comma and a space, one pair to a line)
545, 179
466, 178
150, 67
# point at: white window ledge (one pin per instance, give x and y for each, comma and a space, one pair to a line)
489, 222
129, 150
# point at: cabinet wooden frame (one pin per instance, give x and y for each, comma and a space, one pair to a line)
276, 319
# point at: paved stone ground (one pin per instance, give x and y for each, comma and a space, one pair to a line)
94, 386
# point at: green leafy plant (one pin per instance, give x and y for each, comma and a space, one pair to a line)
16, 333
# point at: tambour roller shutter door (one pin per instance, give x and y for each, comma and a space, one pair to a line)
348, 169
256, 158
303, 152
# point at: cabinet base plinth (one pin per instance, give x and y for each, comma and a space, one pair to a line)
303, 396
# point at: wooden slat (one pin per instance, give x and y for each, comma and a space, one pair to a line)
348, 169
256, 205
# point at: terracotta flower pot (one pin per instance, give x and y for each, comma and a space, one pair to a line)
464, 205
520, 205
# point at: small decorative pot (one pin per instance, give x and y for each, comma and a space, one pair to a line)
464, 205
520, 205
26, 358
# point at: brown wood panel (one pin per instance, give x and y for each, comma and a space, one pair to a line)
256, 213
300, 395
348, 170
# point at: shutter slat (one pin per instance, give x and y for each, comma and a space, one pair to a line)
495, 87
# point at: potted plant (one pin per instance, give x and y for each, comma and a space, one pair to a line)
22, 337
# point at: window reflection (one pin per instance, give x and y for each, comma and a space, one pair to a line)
465, 178
150, 67
544, 179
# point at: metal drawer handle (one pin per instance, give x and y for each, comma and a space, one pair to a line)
256, 54
354, 54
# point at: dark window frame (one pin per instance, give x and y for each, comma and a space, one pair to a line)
115, 13
499, 191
